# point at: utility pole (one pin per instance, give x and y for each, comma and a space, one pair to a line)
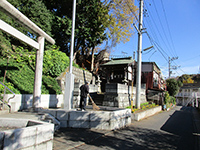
139, 53
174, 67
69, 78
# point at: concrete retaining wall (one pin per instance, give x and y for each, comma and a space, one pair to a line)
106, 120
146, 113
28, 135
24, 101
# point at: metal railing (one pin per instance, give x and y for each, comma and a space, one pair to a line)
188, 94
3, 101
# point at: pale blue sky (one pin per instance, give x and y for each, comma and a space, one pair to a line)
176, 30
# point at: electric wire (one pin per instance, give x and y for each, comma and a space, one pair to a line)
159, 19
154, 24
170, 35
157, 44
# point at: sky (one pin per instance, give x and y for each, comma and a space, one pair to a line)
173, 28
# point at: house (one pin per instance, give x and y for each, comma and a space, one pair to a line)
155, 84
189, 94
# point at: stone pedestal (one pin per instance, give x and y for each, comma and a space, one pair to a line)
69, 91
119, 95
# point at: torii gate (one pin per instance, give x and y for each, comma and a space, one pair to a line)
14, 13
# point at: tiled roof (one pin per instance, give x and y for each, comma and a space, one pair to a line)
119, 62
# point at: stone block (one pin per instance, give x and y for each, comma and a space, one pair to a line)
49, 145
100, 116
79, 115
49, 111
64, 124
100, 125
7, 122
44, 133
62, 115
19, 138
79, 124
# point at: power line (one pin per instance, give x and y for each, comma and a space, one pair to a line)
168, 27
161, 25
157, 29
157, 46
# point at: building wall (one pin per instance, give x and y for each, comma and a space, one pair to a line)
190, 95
147, 67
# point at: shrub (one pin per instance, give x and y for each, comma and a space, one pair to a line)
55, 62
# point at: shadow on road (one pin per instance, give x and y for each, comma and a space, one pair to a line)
127, 138
181, 123
137, 139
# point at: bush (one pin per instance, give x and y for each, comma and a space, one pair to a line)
20, 77
169, 100
55, 62
21, 70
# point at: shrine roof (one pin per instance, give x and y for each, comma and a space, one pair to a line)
121, 61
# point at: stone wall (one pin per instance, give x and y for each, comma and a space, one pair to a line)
147, 113
80, 76
108, 119
119, 95
77, 92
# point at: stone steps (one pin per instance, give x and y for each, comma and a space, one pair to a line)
97, 98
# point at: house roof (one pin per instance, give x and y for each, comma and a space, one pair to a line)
191, 86
119, 61
153, 63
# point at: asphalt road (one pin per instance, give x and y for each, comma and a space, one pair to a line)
164, 131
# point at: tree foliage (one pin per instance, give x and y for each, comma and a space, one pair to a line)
122, 16
172, 87
189, 78
55, 62
169, 99
90, 25
37, 12
96, 21
21, 70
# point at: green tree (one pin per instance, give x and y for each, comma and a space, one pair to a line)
122, 16
180, 84
93, 18
96, 21
172, 87
37, 12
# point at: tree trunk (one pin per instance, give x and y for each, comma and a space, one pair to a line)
92, 61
